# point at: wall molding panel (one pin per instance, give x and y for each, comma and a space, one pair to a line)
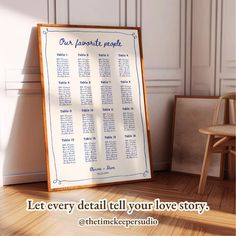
203, 31
163, 86
227, 85
158, 39
93, 12
24, 81
228, 37
225, 80
132, 9
62, 11
51, 11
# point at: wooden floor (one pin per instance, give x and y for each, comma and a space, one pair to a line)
220, 220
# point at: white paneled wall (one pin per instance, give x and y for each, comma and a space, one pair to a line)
21, 134
189, 48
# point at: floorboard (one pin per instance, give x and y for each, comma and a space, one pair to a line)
168, 186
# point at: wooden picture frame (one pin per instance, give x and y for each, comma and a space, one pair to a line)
188, 145
60, 59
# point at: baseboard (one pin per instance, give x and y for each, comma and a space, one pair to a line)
24, 178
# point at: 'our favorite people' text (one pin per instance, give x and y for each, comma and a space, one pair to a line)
94, 43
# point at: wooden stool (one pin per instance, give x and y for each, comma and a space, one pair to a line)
221, 137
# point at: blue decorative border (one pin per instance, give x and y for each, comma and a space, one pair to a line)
134, 36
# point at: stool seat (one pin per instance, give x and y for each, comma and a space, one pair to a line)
220, 130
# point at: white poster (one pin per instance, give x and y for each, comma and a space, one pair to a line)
94, 106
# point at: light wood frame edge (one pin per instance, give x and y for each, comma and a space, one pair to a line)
172, 137
44, 106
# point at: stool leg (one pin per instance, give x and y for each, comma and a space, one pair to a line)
231, 166
205, 165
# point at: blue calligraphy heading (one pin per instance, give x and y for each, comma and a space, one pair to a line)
94, 43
